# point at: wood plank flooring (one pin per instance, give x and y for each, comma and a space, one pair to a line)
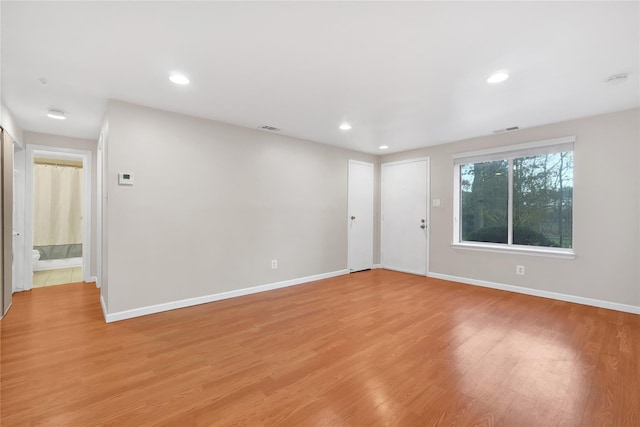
367, 349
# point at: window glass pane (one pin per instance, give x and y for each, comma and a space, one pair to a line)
543, 200
484, 194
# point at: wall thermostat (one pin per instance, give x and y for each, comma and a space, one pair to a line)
125, 178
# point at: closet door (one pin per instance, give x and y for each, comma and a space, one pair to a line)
7, 220
360, 211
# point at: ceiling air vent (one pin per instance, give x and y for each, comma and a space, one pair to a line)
512, 128
616, 79
269, 128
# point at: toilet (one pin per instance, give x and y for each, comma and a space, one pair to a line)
35, 257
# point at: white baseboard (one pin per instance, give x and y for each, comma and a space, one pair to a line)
539, 293
93, 279
376, 266
143, 311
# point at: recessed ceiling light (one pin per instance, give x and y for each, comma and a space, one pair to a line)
345, 126
179, 79
56, 114
383, 147
498, 77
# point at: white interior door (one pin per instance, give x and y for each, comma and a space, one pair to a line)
19, 260
360, 221
404, 216
6, 222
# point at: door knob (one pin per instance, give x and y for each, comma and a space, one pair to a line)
353, 217
423, 226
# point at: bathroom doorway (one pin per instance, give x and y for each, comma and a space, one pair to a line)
57, 221
59, 206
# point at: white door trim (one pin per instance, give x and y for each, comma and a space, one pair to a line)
99, 209
34, 151
428, 210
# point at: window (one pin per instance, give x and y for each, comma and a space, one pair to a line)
516, 197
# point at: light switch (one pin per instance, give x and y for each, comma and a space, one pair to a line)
436, 203
125, 178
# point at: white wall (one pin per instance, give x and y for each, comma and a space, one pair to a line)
9, 124
213, 204
32, 138
606, 210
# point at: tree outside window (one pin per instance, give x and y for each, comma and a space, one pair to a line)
541, 200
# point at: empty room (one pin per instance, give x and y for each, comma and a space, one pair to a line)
344, 213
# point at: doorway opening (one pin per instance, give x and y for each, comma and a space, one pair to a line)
58, 220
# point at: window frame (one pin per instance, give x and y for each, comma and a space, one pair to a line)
509, 152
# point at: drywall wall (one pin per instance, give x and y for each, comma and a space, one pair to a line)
9, 124
212, 204
32, 138
606, 209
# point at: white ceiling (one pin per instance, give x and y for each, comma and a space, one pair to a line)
406, 75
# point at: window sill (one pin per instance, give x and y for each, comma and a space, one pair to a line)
520, 250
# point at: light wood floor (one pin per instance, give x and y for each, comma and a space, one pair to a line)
371, 348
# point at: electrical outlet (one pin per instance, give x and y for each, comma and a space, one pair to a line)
520, 270
274, 264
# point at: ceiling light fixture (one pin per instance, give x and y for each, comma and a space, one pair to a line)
179, 79
383, 147
345, 126
498, 77
56, 114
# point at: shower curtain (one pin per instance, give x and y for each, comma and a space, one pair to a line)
57, 228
